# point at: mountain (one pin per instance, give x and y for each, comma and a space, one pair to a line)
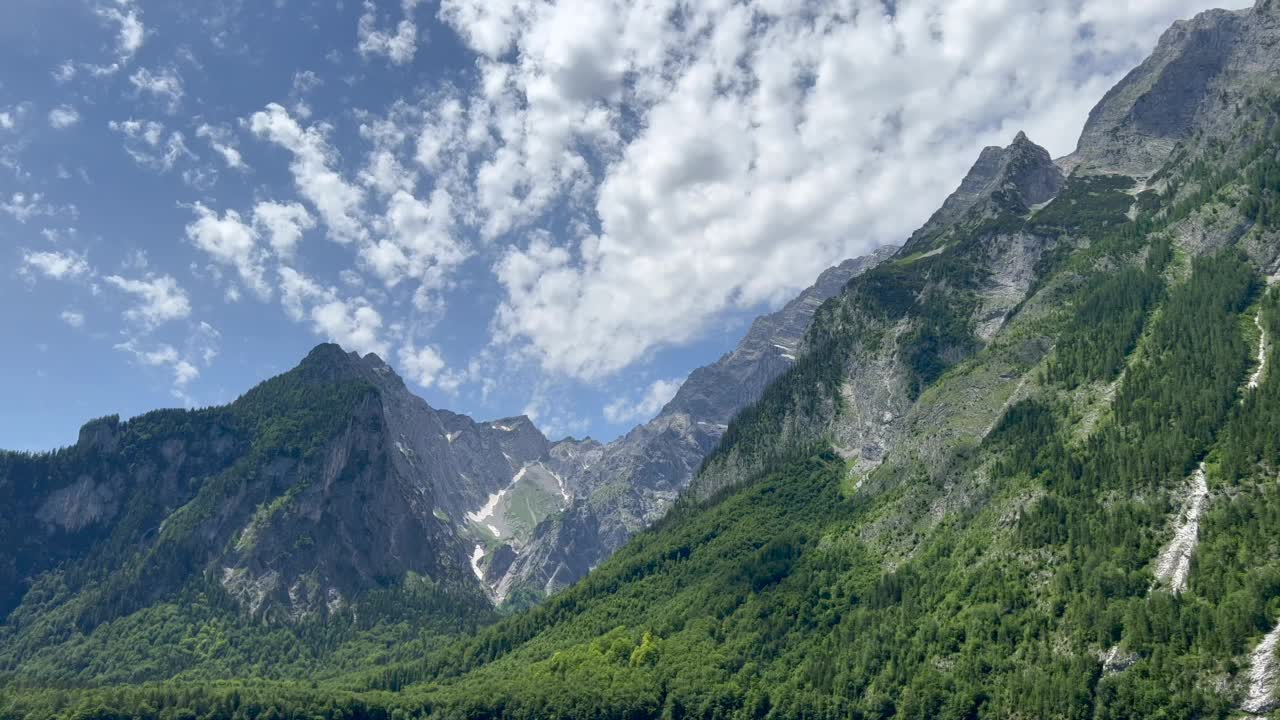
331, 496
624, 486
316, 498
1024, 468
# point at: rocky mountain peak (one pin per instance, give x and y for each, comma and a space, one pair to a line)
1029, 170
1200, 71
1022, 168
329, 363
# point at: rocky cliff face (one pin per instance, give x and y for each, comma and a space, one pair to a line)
313, 489
1201, 70
895, 329
624, 486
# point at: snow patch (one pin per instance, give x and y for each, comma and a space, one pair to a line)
1174, 563
503, 428
476, 556
564, 492
450, 437
1262, 675
491, 506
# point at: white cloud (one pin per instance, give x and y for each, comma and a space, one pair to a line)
338, 202
147, 142
160, 299
203, 343
66, 72
297, 291
24, 206
63, 116
706, 157
167, 357
658, 394
54, 264
165, 86
7, 121
409, 237
423, 365
221, 141
283, 223
74, 318
231, 241
399, 47
419, 241
352, 323
129, 37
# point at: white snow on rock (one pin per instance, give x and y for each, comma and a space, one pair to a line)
488, 508
1174, 563
476, 556
1262, 675
564, 492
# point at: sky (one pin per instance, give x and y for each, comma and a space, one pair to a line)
550, 207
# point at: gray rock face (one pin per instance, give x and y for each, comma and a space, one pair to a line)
1199, 72
406, 488
977, 229
1023, 170
715, 393
625, 486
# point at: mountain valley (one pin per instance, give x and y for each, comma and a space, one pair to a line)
1022, 466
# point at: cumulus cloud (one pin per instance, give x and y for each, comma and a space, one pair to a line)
351, 322
423, 365
231, 241
63, 117
338, 202
399, 47
150, 145
130, 34
284, 224
398, 234
658, 394
55, 264
222, 142
159, 299
704, 157
165, 86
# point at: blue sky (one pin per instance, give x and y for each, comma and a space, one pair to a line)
556, 208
